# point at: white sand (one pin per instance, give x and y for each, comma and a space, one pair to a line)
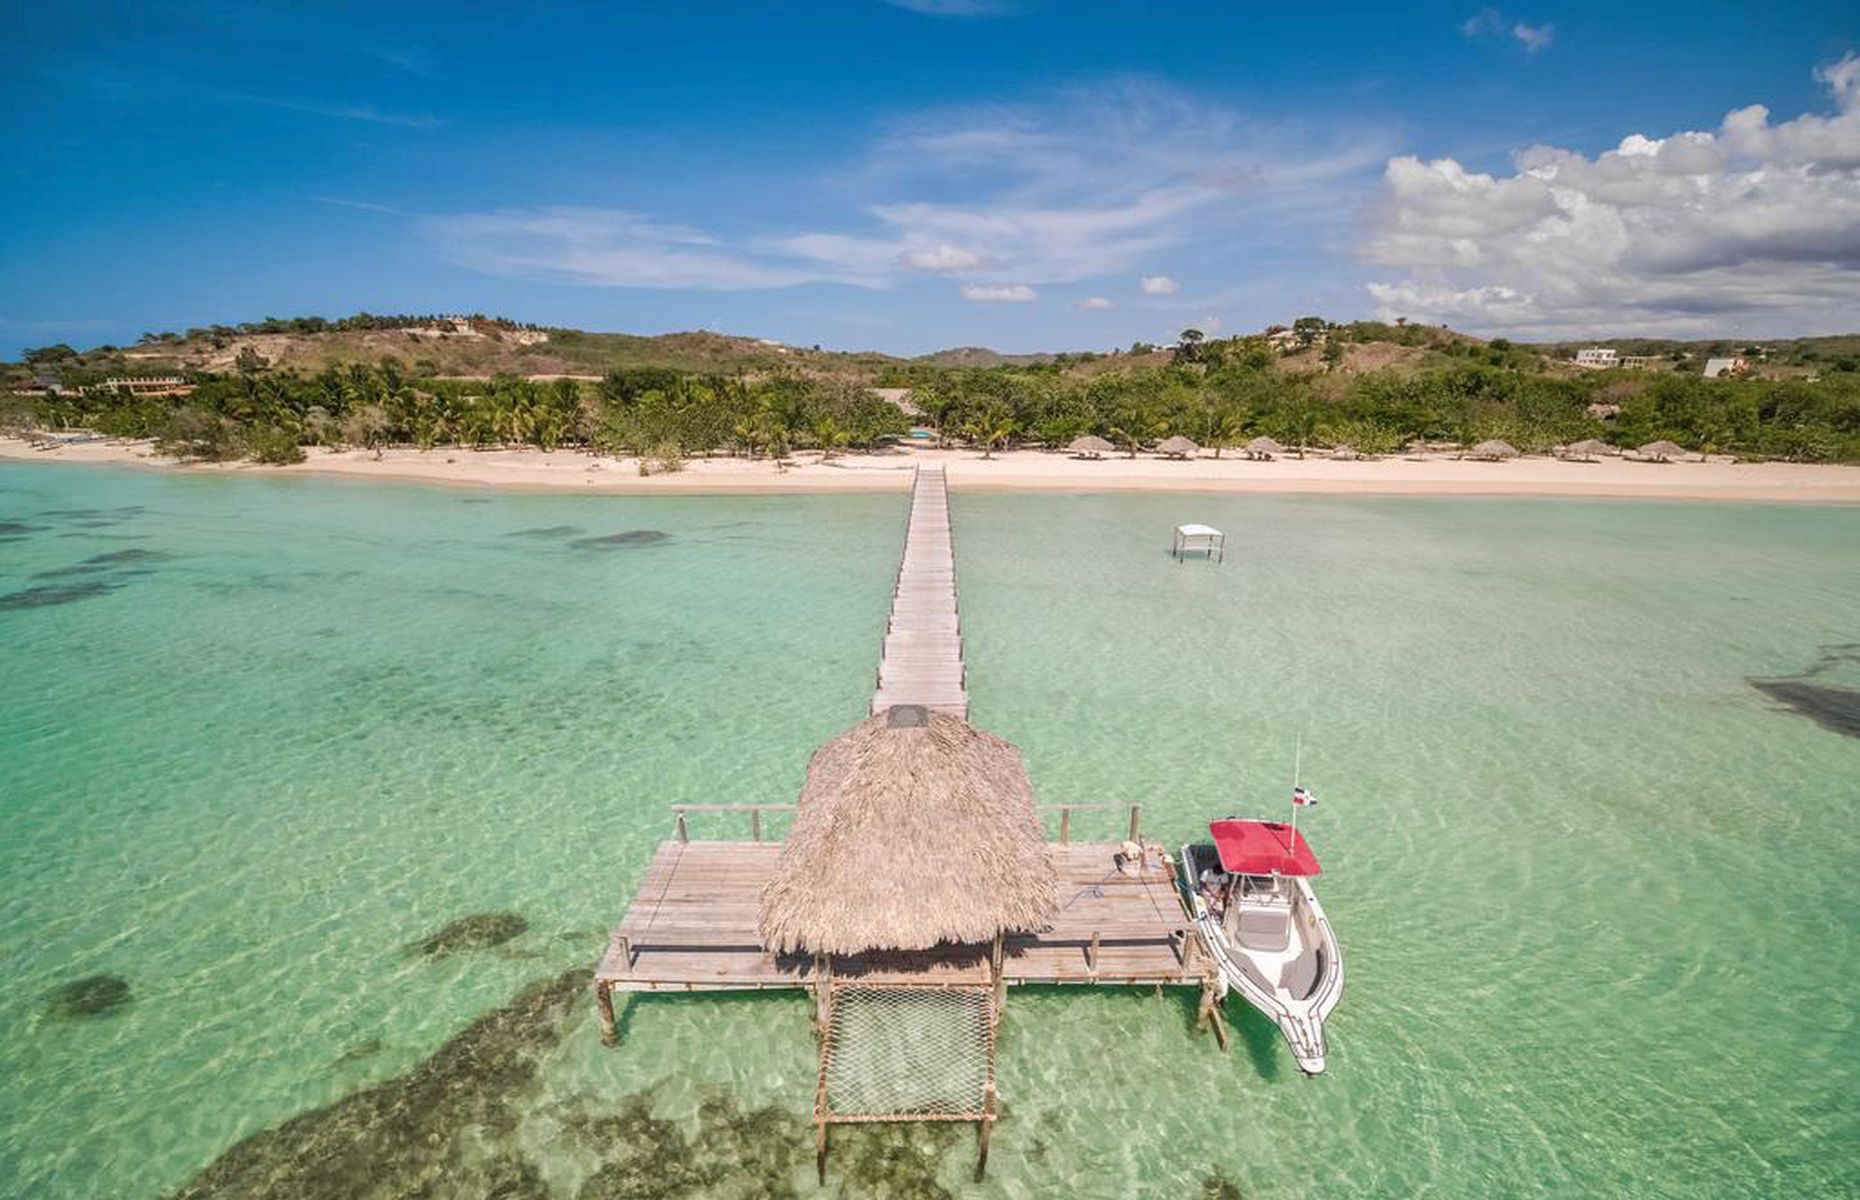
1036, 470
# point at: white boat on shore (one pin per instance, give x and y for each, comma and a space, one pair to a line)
1250, 894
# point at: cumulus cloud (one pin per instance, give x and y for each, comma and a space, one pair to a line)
1008, 293
1094, 302
1755, 223
1159, 285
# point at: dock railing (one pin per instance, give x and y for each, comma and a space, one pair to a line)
755, 811
1065, 818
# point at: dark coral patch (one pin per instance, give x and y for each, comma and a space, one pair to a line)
91, 996
547, 531
131, 555
46, 597
622, 540
480, 931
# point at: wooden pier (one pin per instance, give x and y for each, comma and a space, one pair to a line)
692, 927
921, 662
908, 1035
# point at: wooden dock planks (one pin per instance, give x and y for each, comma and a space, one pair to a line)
921, 661
692, 927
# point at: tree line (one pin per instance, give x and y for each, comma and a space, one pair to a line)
1218, 395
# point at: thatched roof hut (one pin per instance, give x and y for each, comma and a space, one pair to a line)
1091, 446
1262, 447
1493, 451
1587, 449
1178, 447
1661, 451
914, 828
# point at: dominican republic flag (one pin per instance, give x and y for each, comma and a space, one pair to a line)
1303, 798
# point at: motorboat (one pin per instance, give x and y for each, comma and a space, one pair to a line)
1249, 891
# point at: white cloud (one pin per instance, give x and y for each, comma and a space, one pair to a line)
1014, 293
1084, 184
1754, 224
1489, 22
942, 257
1159, 285
1094, 302
625, 249
1533, 37
1486, 20
360, 205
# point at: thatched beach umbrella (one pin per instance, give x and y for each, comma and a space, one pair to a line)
1493, 451
1091, 446
1661, 451
1262, 447
913, 828
1178, 447
1586, 449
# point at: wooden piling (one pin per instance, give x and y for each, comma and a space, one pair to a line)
988, 1123
604, 1004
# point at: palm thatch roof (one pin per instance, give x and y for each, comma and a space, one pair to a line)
913, 828
1661, 451
1263, 447
1587, 448
1494, 450
1089, 444
1178, 447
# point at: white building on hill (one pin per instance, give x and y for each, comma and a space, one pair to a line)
1597, 358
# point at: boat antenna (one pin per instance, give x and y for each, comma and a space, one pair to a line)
1298, 762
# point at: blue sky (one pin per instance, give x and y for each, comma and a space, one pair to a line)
926, 173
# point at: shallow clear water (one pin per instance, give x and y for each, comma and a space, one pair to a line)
1596, 892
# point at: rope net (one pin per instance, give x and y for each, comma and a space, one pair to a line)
907, 1054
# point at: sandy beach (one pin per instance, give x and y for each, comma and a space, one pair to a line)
1438, 474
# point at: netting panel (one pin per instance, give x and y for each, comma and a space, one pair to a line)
907, 1052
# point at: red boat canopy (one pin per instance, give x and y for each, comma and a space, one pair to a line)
1262, 847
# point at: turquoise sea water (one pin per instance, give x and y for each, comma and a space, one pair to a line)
1596, 892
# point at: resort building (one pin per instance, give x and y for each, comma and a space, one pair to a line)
1639, 362
1597, 358
1717, 368
150, 385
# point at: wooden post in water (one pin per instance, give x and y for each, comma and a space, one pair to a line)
604, 1004
988, 1120
996, 959
684, 835
1065, 824
755, 824
1136, 821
